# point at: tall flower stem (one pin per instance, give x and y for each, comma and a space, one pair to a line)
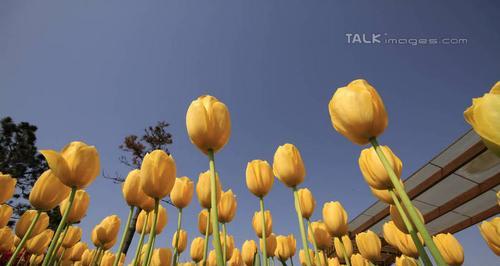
214, 212
125, 232
59, 243
23, 240
176, 250
301, 225
61, 257
263, 236
411, 230
62, 223
205, 244
291, 261
282, 263
152, 234
315, 246
414, 217
344, 252
224, 233
141, 241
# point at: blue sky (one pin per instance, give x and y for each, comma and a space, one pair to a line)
99, 70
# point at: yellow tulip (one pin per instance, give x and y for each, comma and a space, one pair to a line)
7, 187
406, 261
399, 240
307, 202
73, 235
87, 256
484, 115
357, 112
229, 243
6, 239
358, 260
148, 204
5, 214
282, 251
384, 194
76, 251
79, 207
333, 261
321, 256
212, 258
369, 245
161, 256
257, 223
335, 218
161, 221
48, 192
320, 232
288, 165
141, 219
203, 216
158, 173
236, 259
302, 257
107, 229
398, 221
208, 123
36, 260
182, 192
374, 172
227, 206
270, 245
38, 244
131, 189
248, 251
107, 259
77, 165
182, 243
196, 250
24, 222
347, 246
390, 233
259, 177
450, 249
491, 234
293, 245
203, 189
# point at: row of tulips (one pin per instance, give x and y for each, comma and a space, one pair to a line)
356, 111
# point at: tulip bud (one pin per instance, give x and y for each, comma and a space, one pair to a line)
357, 112
374, 172
107, 230
73, 235
307, 202
302, 257
36, 260
270, 245
208, 123
196, 250
229, 243
293, 245
483, 117
7, 187
406, 261
236, 259
6, 239
369, 245
203, 219
347, 246
24, 222
257, 223
490, 230
399, 240
450, 249
358, 260
87, 256
398, 221
203, 189
333, 261
259, 177
158, 173
38, 244
227, 206
248, 251
48, 192
182, 242
182, 192
148, 204
212, 258
288, 165
282, 250
131, 189
335, 218
77, 165
161, 256
320, 233
107, 259
161, 220
5, 214
384, 194
79, 207
390, 231
76, 251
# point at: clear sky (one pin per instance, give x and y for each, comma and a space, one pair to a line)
98, 70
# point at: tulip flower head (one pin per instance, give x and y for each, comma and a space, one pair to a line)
161, 256
282, 251
320, 233
227, 206
158, 173
302, 257
228, 242
347, 246
87, 256
270, 245
406, 261
38, 244
212, 258
288, 165
196, 250
248, 251
335, 218
182, 242
450, 249
374, 172
182, 192
203, 189
369, 245
236, 259
107, 231
358, 260
259, 177
490, 230
203, 218
398, 221
5, 214
307, 202
6, 239
79, 208
257, 223
73, 235
77, 250
48, 192
161, 220
7, 187
24, 222
333, 261
132, 190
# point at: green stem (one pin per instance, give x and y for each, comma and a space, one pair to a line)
282, 263
315, 246
25, 237
411, 230
214, 214
224, 233
62, 223
59, 243
415, 218
263, 227
176, 250
119, 252
152, 234
99, 258
256, 259
301, 225
346, 258
205, 244
141, 241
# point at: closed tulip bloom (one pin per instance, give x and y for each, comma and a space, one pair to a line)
288, 165
87, 256
141, 219
374, 172
335, 218
484, 115
132, 190
77, 165
293, 245
182, 192
248, 251
208, 123
257, 223
390, 233
161, 221
79, 208
227, 206
450, 249
212, 258
490, 230
282, 251
196, 250
107, 230
7, 187
358, 260
270, 245
236, 259
158, 173
48, 192
307, 202
259, 177
161, 256
406, 245
347, 245
36, 260
398, 221
384, 195
320, 232
302, 257
107, 259
333, 261
76, 251
38, 244
24, 222
182, 243
229, 243
406, 261
148, 204
357, 112
5, 214
6, 239
203, 189
369, 245
73, 235
203, 216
